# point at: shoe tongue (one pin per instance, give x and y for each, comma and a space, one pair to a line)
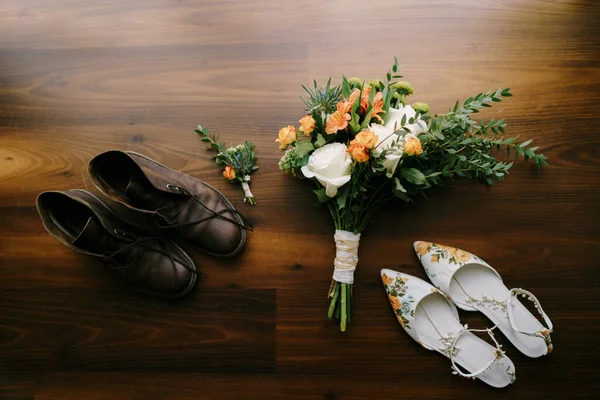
141, 196
92, 237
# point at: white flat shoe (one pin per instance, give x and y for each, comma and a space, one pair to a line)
432, 320
473, 285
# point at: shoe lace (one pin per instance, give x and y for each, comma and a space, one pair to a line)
139, 245
170, 212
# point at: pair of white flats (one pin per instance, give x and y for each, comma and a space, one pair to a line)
429, 315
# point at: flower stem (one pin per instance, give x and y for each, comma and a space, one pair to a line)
344, 307
349, 300
334, 297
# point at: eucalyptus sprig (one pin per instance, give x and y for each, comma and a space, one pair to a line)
239, 161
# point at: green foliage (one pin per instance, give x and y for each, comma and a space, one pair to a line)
291, 163
322, 100
241, 158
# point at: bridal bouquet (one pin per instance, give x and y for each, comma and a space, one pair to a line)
362, 145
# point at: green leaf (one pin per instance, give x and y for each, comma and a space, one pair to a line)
413, 175
341, 198
321, 195
526, 143
303, 147
320, 141
399, 185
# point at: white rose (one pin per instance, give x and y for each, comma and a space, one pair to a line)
330, 165
393, 143
392, 158
385, 133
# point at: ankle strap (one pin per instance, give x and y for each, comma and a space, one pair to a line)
498, 353
543, 333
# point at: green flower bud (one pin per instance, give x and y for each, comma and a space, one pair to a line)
423, 107
355, 82
403, 87
377, 84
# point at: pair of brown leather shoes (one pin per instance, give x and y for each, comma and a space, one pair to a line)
151, 204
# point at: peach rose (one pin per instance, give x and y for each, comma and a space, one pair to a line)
395, 302
387, 280
422, 248
229, 173
358, 151
287, 136
435, 258
367, 138
307, 125
461, 256
413, 146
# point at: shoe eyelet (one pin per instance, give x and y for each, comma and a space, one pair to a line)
173, 187
121, 233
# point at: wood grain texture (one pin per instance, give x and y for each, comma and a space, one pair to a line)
78, 77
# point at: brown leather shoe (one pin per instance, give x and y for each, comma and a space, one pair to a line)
176, 202
150, 264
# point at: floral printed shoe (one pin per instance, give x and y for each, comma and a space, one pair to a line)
432, 320
473, 285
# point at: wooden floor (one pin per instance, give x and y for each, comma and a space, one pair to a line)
78, 77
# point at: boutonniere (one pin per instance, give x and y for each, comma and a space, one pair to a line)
238, 161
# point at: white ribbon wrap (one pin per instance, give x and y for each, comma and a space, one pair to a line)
346, 256
246, 187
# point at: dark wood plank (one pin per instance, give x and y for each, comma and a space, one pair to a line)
134, 386
78, 77
84, 330
16, 386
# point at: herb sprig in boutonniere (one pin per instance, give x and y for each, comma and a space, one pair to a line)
239, 161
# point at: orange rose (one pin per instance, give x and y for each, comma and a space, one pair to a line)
412, 146
435, 258
307, 125
395, 302
422, 248
287, 136
229, 173
387, 280
367, 138
358, 151
339, 119
461, 256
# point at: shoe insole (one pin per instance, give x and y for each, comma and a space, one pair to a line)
479, 281
434, 318
70, 218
